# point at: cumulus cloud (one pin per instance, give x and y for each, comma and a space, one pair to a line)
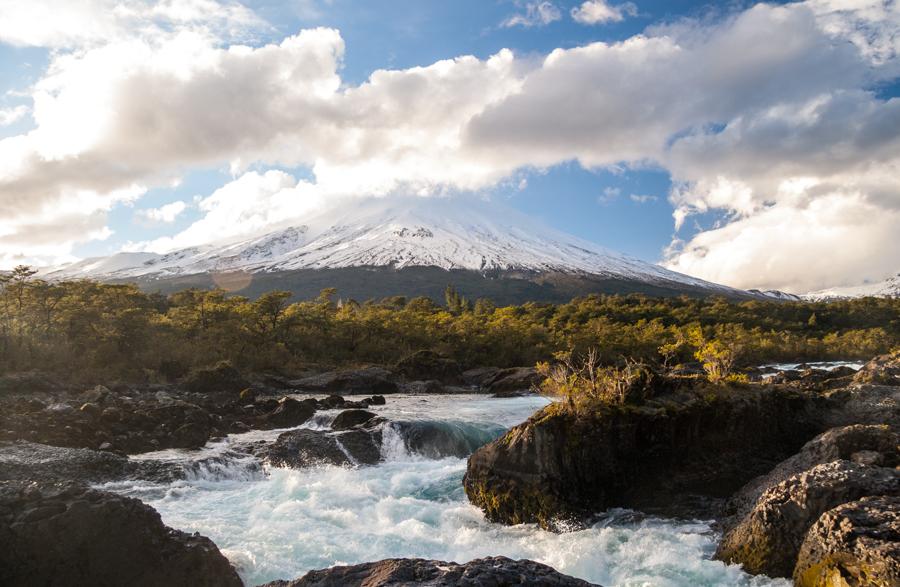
534, 14
165, 214
10, 115
601, 12
642, 198
66, 24
765, 116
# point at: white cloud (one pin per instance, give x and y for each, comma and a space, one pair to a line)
837, 239
642, 198
67, 23
535, 14
165, 214
763, 116
600, 12
609, 195
10, 115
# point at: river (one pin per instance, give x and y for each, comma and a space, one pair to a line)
275, 523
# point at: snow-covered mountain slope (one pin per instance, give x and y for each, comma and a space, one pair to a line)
889, 288
449, 233
775, 295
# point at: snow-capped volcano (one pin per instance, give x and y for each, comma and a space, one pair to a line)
889, 288
447, 233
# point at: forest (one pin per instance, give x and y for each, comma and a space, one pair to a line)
85, 329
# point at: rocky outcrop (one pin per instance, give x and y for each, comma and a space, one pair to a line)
768, 539
511, 382
484, 572
71, 535
424, 365
350, 418
350, 382
882, 370
40, 462
857, 543
658, 456
860, 443
864, 404
136, 419
287, 414
222, 377
308, 448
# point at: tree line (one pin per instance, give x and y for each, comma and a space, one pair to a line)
86, 329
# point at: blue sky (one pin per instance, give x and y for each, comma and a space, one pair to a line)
398, 34
614, 187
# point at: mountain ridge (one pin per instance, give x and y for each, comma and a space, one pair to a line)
394, 234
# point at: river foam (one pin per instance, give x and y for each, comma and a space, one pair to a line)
286, 522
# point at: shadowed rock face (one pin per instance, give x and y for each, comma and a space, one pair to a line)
705, 442
485, 572
857, 543
768, 539
368, 380
63, 534
865, 444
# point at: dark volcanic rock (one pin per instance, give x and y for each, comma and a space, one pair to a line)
39, 462
220, 378
288, 413
350, 418
865, 404
495, 571
768, 539
479, 376
307, 448
857, 543
508, 382
706, 442
70, 535
882, 370
425, 365
866, 444
350, 381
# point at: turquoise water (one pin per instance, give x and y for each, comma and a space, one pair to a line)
280, 523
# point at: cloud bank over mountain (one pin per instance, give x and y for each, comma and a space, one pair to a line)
770, 118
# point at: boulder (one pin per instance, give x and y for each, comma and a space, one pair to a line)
882, 370
857, 543
350, 382
350, 418
288, 413
190, 435
860, 443
424, 365
479, 376
768, 539
220, 378
307, 448
484, 572
685, 449
510, 382
64, 534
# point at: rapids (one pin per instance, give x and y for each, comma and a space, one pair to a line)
275, 523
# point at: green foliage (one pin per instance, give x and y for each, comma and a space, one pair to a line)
717, 358
585, 382
83, 328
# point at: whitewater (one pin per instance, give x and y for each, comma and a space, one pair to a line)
277, 523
